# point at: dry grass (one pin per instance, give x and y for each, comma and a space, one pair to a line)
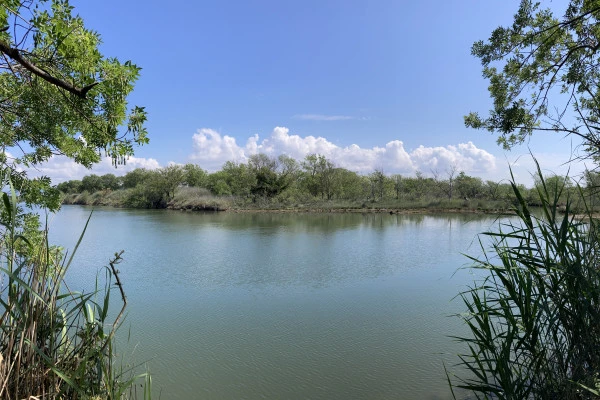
198, 199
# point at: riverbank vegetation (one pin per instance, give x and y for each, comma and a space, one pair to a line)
533, 316
314, 183
60, 95
57, 343
534, 312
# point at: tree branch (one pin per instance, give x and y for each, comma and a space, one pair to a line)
15, 55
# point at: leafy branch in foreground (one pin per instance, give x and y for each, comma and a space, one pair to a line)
544, 74
534, 317
59, 95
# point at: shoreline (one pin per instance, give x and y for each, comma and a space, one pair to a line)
319, 210
390, 211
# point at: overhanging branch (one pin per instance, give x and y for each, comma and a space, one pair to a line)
15, 55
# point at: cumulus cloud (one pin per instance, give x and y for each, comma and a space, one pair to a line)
211, 149
61, 168
465, 157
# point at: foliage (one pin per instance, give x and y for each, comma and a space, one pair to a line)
534, 315
468, 186
167, 179
193, 175
378, 180
534, 318
136, 177
91, 183
110, 182
239, 179
558, 186
59, 95
73, 186
319, 175
540, 67
55, 343
592, 187
217, 183
266, 182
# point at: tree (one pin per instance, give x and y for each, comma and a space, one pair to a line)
377, 179
72, 186
193, 175
268, 182
217, 183
319, 175
111, 182
311, 170
135, 177
91, 183
448, 188
153, 189
170, 178
239, 178
555, 185
289, 170
492, 189
468, 187
592, 187
348, 184
397, 179
544, 74
59, 95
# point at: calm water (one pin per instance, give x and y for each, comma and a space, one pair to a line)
282, 306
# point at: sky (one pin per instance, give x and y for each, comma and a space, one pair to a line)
371, 84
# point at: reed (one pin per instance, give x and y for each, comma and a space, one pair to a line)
534, 315
56, 343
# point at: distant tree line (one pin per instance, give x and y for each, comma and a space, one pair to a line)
284, 180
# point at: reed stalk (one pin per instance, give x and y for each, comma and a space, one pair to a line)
534, 315
56, 343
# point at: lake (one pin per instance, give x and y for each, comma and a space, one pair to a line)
283, 306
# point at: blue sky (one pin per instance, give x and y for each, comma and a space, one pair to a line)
351, 79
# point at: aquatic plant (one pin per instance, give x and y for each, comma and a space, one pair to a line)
534, 315
54, 342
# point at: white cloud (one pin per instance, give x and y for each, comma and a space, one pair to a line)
61, 168
465, 157
524, 166
321, 117
211, 150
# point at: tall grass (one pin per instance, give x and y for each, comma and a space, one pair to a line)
534, 317
197, 199
56, 343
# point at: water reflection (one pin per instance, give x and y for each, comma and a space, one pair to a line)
249, 305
